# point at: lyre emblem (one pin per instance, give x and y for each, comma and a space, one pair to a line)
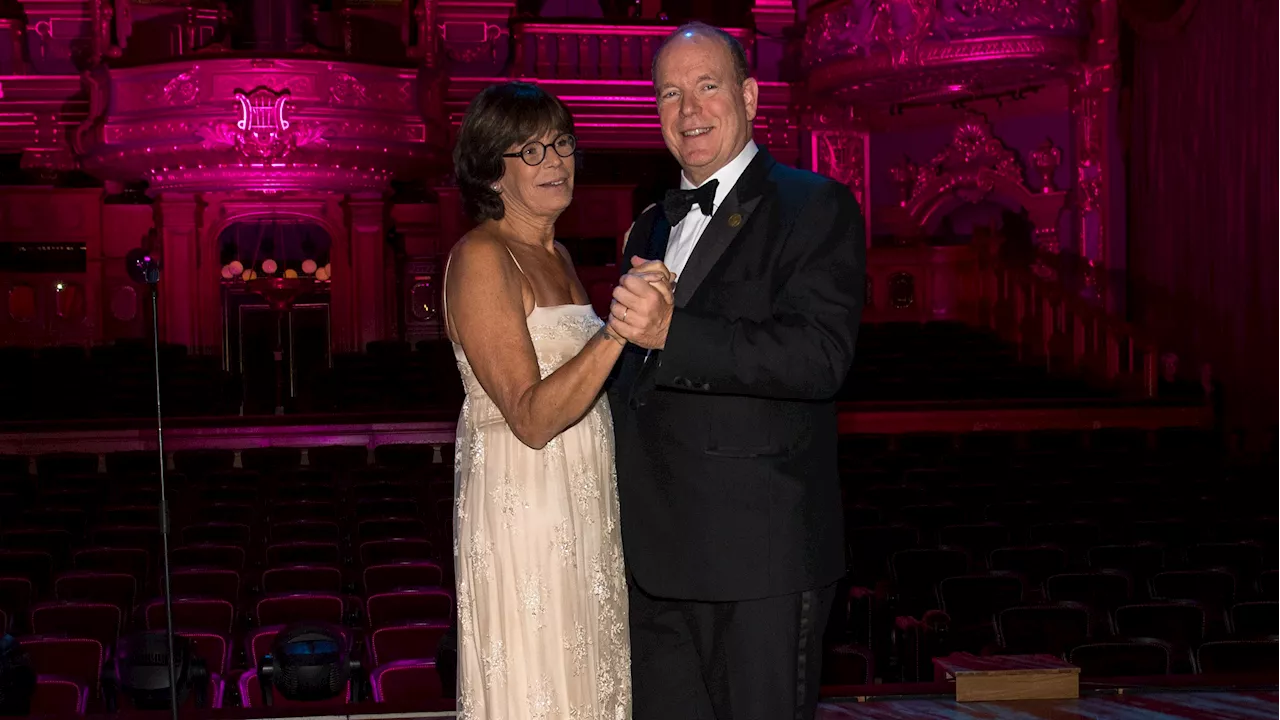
263, 131
262, 124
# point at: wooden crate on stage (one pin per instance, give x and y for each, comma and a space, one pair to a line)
1008, 677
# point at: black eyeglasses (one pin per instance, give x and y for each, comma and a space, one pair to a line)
535, 152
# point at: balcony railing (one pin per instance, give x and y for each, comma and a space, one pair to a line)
1049, 323
591, 51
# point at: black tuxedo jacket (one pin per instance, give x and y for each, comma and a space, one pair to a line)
726, 438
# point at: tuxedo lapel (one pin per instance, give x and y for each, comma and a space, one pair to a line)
729, 220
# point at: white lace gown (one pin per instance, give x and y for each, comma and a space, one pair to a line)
542, 597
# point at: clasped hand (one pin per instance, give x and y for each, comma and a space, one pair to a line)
642, 304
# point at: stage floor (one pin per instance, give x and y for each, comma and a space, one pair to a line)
1132, 705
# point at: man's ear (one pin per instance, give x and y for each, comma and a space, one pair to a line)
751, 96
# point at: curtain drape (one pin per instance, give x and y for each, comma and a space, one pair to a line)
1203, 197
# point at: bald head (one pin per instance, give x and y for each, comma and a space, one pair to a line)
687, 31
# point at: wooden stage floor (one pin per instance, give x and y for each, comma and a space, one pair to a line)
1132, 705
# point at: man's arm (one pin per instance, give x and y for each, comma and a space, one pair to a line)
802, 352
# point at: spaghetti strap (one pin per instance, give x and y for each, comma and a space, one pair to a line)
444, 296
514, 260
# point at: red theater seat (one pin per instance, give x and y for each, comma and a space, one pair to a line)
1122, 658
208, 555
213, 648
304, 553
1049, 630
409, 606
130, 515
302, 579
206, 582
291, 511
1255, 619
1035, 563
380, 552
77, 659
15, 597
301, 607
1234, 657
848, 665
312, 531
35, 567
55, 543
419, 641
94, 620
390, 527
131, 561
117, 589
1182, 625
57, 696
406, 682
401, 576
217, 533
209, 615
127, 536
1100, 592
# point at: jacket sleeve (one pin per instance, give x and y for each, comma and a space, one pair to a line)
805, 350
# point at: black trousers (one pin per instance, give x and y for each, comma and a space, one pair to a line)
743, 660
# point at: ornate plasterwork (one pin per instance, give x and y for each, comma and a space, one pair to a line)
182, 89
897, 51
862, 27
974, 166
263, 130
841, 156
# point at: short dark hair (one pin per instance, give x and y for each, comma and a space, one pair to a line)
741, 70
499, 117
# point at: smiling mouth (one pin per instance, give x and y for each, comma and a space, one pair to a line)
696, 132
555, 183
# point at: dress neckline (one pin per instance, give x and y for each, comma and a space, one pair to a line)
561, 306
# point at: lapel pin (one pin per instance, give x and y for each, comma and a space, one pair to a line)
735, 220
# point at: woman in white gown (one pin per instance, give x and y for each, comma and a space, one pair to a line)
541, 590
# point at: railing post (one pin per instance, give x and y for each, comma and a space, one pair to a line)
517, 42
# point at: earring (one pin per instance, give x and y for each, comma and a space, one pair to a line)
496, 189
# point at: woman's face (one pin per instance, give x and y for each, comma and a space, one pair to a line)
542, 189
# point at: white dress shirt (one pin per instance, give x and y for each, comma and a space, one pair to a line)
684, 236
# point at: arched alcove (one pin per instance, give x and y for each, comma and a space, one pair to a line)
275, 246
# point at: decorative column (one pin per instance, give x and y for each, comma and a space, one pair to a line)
366, 223
178, 228
772, 18
1099, 175
842, 153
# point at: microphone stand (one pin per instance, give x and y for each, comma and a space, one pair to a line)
150, 270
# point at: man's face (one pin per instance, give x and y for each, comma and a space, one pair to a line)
706, 115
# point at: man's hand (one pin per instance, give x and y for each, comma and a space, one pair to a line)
643, 303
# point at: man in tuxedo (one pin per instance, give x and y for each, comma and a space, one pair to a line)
723, 407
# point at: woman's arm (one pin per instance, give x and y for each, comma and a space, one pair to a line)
486, 307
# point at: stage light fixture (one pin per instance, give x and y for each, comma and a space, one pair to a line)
308, 662
141, 671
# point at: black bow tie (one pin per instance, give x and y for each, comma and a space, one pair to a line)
678, 203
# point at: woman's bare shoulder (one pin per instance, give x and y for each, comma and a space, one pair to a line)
480, 252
